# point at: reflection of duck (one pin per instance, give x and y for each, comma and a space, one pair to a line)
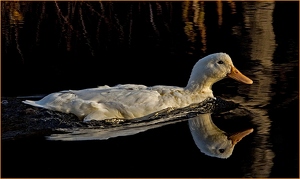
132, 101
211, 140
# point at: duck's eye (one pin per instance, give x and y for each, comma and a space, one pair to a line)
221, 150
220, 62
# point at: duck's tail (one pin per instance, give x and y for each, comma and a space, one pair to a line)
59, 101
33, 103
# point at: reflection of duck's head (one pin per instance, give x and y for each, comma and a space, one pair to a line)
211, 140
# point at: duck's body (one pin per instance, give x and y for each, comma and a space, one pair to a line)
132, 101
121, 101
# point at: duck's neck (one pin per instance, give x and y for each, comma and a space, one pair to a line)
201, 85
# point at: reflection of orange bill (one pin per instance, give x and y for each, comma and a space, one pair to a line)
235, 138
237, 75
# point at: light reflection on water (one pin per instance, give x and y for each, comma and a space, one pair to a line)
258, 41
262, 48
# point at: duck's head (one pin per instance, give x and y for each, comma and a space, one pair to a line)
213, 68
211, 140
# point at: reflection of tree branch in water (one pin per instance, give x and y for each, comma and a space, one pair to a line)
41, 18
72, 19
66, 20
85, 34
151, 19
17, 42
12, 18
72, 22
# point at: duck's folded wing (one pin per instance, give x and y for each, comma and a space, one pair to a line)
106, 93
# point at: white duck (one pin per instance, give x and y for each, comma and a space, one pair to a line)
211, 140
132, 101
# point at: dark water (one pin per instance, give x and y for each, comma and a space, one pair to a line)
47, 47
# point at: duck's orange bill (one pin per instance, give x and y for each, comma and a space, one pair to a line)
235, 138
237, 75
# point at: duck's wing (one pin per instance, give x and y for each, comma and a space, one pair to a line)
123, 94
121, 101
